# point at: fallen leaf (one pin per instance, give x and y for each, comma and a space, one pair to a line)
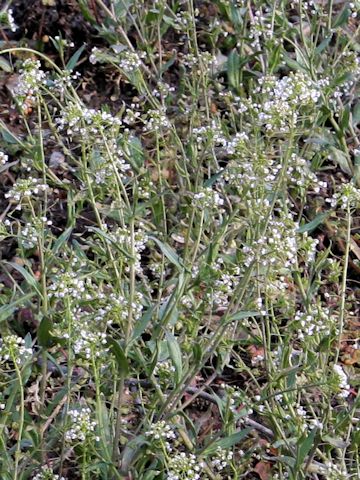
263, 469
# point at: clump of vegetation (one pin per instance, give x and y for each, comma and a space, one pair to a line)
180, 241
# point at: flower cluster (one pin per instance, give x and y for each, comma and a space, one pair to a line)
221, 459
164, 370
13, 348
89, 341
211, 135
156, 121
81, 425
299, 174
347, 196
67, 284
162, 434
106, 161
46, 473
76, 119
282, 100
7, 19
184, 467
64, 81
25, 188
207, 198
3, 158
277, 247
130, 61
204, 62
29, 234
29, 83
342, 381
315, 323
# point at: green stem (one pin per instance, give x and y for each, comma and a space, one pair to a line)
22, 415
343, 283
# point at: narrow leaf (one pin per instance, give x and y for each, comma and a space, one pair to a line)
175, 354
227, 442
169, 253
71, 64
120, 356
318, 220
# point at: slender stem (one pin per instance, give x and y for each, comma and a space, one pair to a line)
343, 283
22, 415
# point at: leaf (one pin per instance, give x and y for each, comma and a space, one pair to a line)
175, 354
315, 222
197, 353
342, 18
335, 442
169, 253
341, 159
43, 333
5, 65
9, 137
345, 117
210, 181
120, 356
135, 152
354, 247
356, 114
141, 325
304, 446
29, 277
242, 315
7, 310
63, 238
233, 69
131, 451
227, 442
71, 64
325, 43
293, 64
263, 469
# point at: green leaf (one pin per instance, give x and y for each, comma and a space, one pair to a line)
120, 356
132, 451
304, 446
233, 69
135, 152
71, 64
227, 442
293, 64
29, 277
315, 222
141, 325
286, 460
169, 253
210, 181
43, 333
356, 114
5, 65
339, 157
325, 43
197, 353
175, 354
342, 18
7, 310
9, 137
344, 122
242, 315
335, 442
63, 238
